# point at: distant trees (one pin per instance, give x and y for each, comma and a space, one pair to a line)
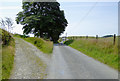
108, 36
7, 21
2, 23
43, 19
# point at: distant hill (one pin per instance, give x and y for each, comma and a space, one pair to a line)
107, 36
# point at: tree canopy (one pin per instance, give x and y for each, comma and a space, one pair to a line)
44, 19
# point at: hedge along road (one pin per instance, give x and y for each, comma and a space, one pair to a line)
29, 62
68, 63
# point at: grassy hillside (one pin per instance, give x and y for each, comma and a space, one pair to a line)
101, 49
8, 50
45, 46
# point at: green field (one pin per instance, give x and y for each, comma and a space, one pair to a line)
8, 50
102, 49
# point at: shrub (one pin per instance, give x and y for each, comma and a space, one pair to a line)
6, 37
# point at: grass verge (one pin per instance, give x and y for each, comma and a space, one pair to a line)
43, 45
102, 49
8, 51
46, 46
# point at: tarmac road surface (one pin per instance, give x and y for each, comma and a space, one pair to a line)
68, 63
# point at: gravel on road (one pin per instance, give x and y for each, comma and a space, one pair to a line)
29, 62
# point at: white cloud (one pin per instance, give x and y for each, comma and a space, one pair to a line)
18, 29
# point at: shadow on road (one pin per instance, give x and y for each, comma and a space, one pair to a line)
60, 44
69, 42
65, 44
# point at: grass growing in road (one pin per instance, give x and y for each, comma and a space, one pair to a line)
102, 49
43, 45
8, 50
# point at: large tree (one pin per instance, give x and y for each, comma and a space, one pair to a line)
44, 19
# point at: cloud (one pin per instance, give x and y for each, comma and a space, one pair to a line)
18, 29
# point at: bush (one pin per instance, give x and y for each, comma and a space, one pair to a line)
6, 37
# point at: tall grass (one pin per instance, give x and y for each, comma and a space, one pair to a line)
102, 49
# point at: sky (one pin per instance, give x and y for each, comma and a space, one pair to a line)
84, 18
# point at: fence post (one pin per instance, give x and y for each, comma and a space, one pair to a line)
87, 37
114, 39
96, 36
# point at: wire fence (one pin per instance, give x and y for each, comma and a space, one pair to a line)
88, 37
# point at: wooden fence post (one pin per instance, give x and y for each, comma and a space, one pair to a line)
96, 36
87, 37
114, 39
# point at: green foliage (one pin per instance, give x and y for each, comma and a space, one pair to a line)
101, 49
44, 46
8, 50
42, 19
5, 37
